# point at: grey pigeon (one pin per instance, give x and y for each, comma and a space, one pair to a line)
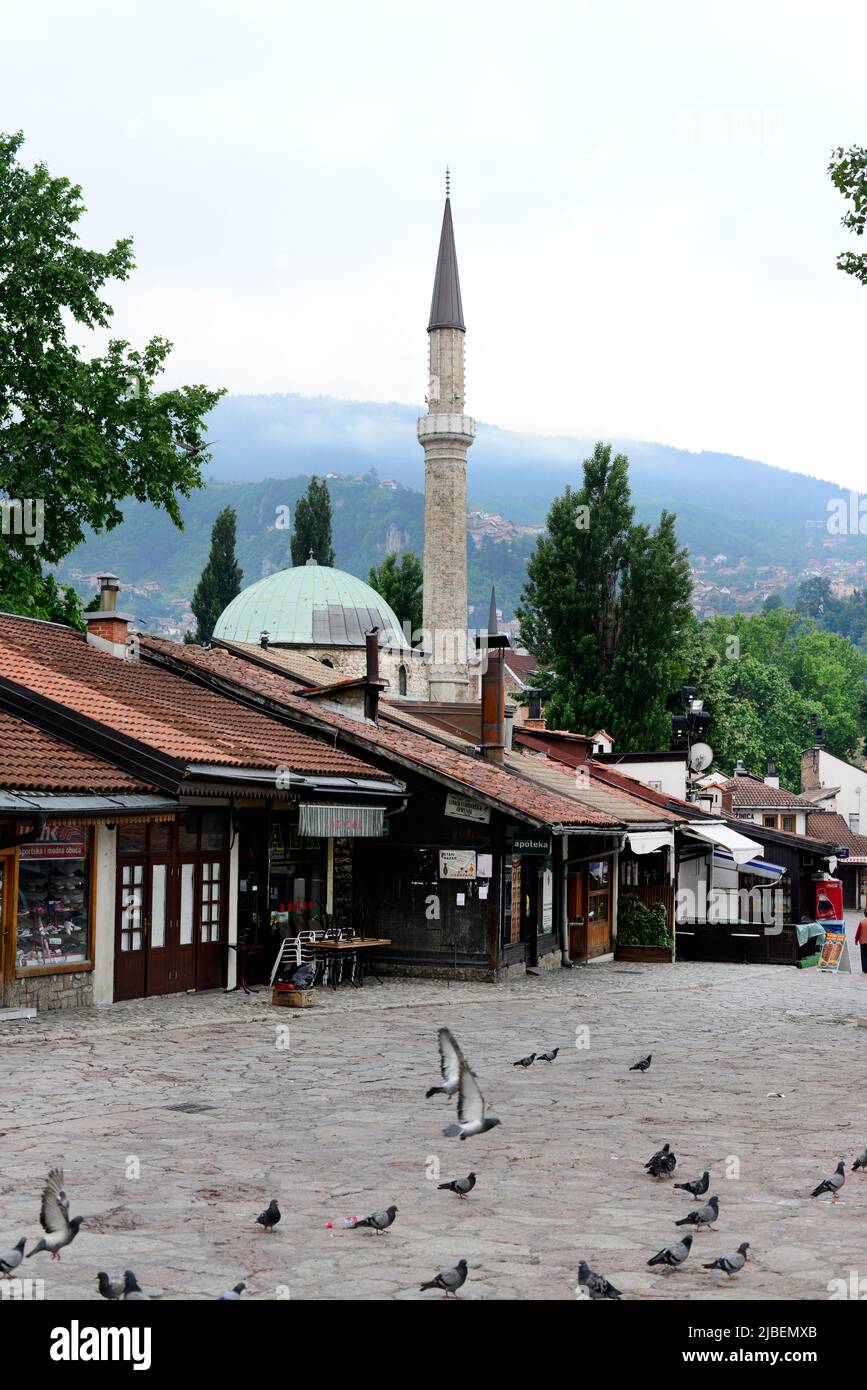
54, 1218
525, 1061
673, 1255
471, 1109
596, 1285
832, 1183
379, 1220
131, 1291
860, 1162
548, 1056
11, 1259
660, 1153
450, 1065
112, 1289
449, 1280
698, 1188
702, 1217
662, 1164
460, 1185
644, 1064
732, 1264
233, 1294
270, 1216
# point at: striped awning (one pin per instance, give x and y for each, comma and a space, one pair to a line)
336, 822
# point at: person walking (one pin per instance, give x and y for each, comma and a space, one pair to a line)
861, 940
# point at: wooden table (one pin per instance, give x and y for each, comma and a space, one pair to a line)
333, 951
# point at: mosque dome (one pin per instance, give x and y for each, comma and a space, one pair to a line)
311, 606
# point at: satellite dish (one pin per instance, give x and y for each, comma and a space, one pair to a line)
701, 757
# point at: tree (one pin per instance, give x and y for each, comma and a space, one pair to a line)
605, 610
221, 578
401, 587
312, 531
848, 170
78, 434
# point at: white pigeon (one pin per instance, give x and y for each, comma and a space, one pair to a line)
450, 1065
471, 1108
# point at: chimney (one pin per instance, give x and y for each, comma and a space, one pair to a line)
108, 629
493, 687
772, 780
740, 770
374, 684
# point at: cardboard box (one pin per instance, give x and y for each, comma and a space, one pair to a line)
293, 998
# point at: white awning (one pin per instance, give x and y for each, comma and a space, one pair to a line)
646, 841
761, 868
336, 822
739, 847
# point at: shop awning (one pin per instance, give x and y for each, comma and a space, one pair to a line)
646, 841
336, 822
739, 847
761, 868
85, 804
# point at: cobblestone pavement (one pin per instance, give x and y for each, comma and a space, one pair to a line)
337, 1125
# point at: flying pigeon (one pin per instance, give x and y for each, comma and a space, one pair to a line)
832, 1183
270, 1216
860, 1162
471, 1108
54, 1217
11, 1259
131, 1291
673, 1255
732, 1264
597, 1286
451, 1058
548, 1056
449, 1280
698, 1188
112, 1289
460, 1185
702, 1217
525, 1061
644, 1064
379, 1220
195, 449
234, 1293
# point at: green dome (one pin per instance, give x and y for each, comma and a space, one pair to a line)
310, 605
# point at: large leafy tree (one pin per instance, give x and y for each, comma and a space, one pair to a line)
848, 170
605, 610
78, 434
311, 535
401, 587
221, 577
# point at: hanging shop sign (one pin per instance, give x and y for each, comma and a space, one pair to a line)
337, 822
463, 808
457, 863
531, 844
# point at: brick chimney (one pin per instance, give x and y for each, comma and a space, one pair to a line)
108, 629
493, 688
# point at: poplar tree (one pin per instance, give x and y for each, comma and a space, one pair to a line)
311, 534
221, 578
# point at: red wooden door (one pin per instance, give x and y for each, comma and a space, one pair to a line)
211, 918
130, 937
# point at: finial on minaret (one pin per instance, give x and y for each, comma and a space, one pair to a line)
448, 181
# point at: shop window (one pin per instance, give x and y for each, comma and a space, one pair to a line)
213, 830
188, 831
132, 839
160, 841
131, 924
599, 891
212, 888
53, 927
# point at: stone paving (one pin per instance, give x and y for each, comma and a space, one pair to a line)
336, 1124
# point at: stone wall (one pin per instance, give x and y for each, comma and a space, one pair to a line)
69, 991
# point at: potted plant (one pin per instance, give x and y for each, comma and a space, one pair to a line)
642, 931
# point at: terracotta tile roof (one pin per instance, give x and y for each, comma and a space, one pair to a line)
156, 707
35, 762
432, 752
622, 802
522, 665
752, 791
827, 825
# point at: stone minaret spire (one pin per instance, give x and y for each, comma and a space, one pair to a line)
445, 434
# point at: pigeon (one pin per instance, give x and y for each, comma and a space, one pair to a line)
112, 1289
270, 1216
597, 1287
702, 1217
832, 1183
732, 1264
460, 1185
131, 1291
54, 1217
379, 1220
698, 1188
471, 1109
673, 1255
234, 1293
195, 449
11, 1259
548, 1056
860, 1162
449, 1280
525, 1061
451, 1058
662, 1164
644, 1064
660, 1153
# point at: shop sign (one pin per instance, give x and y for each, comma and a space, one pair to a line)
457, 863
464, 808
531, 844
57, 842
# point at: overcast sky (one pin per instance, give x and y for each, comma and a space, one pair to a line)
646, 232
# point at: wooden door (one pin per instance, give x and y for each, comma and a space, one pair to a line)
130, 937
183, 928
599, 886
211, 919
160, 926
575, 908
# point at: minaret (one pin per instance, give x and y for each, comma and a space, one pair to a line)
446, 433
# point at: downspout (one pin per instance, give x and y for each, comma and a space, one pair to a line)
565, 962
